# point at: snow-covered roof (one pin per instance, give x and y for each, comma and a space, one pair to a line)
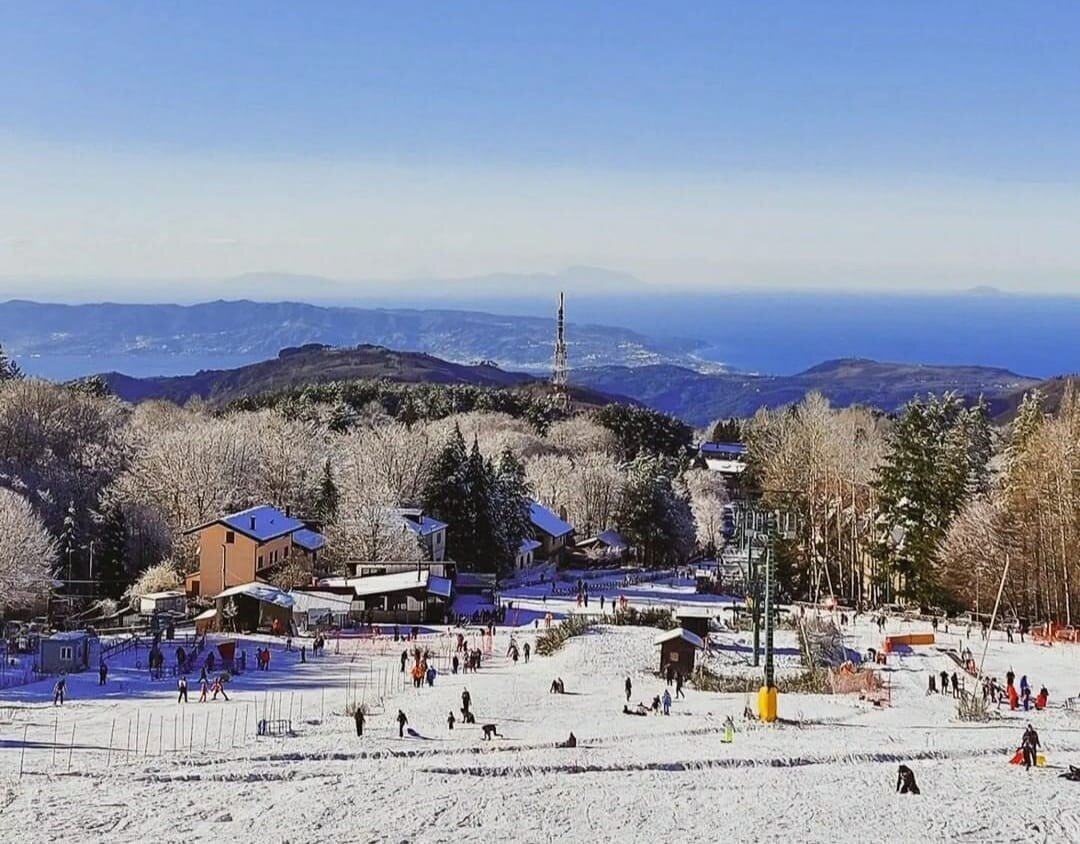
205, 614
260, 592
694, 612
261, 523
528, 545
439, 586
158, 596
717, 449
308, 539
543, 519
305, 601
378, 584
679, 633
418, 523
69, 636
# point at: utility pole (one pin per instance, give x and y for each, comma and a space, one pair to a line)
767, 693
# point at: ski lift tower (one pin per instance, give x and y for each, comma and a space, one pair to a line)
559, 388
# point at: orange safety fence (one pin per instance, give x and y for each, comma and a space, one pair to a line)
908, 639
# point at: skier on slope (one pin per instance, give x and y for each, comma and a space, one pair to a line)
401, 722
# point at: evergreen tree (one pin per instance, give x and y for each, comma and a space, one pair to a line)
9, 370
110, 571
446, 496
68, 541
935, 451
726, 431
651, 516
329, 498
510, 506
408, 415
341, 417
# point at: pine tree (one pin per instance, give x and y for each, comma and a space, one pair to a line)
68, 542
446, 495
9, 370
651, 516
329, 498
936, 450
510, 506
109, 557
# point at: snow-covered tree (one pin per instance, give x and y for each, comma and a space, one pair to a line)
27, 554
160, 577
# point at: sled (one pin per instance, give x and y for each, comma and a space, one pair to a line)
1018, 759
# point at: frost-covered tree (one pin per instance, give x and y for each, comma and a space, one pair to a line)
160, 577
652, 516
27, 554
707, 495
9, 369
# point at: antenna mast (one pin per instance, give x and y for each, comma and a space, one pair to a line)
558, 375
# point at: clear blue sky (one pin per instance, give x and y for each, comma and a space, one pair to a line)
893, 120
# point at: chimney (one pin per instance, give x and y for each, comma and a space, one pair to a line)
252, 518
288, 511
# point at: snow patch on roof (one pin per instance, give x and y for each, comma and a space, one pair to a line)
543, 519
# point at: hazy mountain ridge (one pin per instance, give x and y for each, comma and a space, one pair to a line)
259, 329
317, 364
702, 397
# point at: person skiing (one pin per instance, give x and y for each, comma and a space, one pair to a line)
905, 781
528, 650
401, 722
58, 691
358, 716
666, 700
218, 687
103, 672
181, 689
450, 721
629, 689
466, 699
678, 686
1029, 746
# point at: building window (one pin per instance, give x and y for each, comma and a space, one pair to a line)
67, 653
230, 537
260, 561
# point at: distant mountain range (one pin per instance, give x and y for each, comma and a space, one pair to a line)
695, 397
700, 397
183, 338
319, 364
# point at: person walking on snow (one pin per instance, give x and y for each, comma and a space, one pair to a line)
678, 686
217, 688
58, 691
955, 685
204, 689
404, 659
666, 700
932, 688
466, 699
181, 689
944, 682
401, 722
103, 672
629, 689
358, 716
1029, 746
528, 650
450, 721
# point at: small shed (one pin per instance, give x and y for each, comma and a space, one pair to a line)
66, 652
173, 601
254, 606
678, 648
694, 619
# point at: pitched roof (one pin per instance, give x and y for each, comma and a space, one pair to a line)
679, 633
260, 592
528, 545
543, 519
264, 523
424, 526
612, 539
378, 584
722, 448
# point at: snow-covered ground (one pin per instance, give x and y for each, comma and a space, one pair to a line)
827, 773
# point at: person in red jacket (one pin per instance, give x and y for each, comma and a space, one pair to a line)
1041, 698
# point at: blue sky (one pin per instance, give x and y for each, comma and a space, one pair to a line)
914, 145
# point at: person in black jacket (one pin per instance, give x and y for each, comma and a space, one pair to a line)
1029, 746
359, 716
905, 781
401, 722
